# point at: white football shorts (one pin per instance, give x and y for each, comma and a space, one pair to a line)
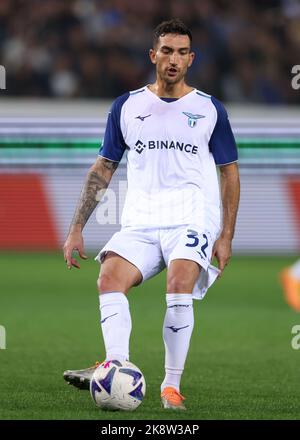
152, 250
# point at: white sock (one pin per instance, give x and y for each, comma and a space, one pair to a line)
177, 331
115, 324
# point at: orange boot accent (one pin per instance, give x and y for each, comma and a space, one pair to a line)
291, 289
172, 399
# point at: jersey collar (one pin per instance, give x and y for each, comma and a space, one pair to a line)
165, 102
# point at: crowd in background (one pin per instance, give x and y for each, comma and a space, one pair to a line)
245, 50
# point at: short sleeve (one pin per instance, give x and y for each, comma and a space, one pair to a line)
222, 143
113, 146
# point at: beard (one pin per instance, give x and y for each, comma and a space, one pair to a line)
171, 79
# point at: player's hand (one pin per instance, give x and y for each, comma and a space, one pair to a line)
74, 242
222, 252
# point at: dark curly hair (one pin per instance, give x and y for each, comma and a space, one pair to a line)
174, 26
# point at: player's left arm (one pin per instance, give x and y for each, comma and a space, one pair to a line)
230, 195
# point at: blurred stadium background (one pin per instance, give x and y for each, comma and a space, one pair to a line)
65, 62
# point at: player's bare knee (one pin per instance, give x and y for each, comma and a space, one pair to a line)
177, 284
107, 283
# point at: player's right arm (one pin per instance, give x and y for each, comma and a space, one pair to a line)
97, 180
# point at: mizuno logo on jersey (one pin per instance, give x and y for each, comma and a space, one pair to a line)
165, 145
192, 119
142, 118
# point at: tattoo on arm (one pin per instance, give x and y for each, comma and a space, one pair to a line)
95, 185
109, 165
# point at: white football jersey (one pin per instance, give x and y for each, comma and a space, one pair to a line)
173, 147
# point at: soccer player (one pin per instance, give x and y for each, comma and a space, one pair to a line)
174, 136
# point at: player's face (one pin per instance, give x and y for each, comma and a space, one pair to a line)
172, 57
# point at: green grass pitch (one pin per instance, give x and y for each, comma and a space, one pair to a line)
240, 366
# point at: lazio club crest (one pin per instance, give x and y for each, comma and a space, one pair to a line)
192, 119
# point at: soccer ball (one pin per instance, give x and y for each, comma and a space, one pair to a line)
117, 385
